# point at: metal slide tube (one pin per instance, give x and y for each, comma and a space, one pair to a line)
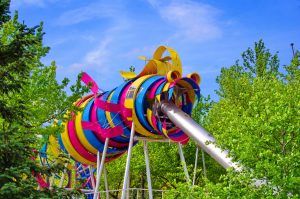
92, 176
198, 134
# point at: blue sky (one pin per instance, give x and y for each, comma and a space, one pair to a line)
104, 37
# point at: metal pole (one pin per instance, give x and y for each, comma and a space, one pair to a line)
198, 134
195, 166
97, 169
92, 175
128, 162
106, 183
63, 176
52, 181
183, 163
148, 170
203, 161
98, 165
99, 172
128, 186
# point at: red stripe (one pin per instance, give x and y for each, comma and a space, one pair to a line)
107, 133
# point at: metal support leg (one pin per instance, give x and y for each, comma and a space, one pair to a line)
148, 170
128, 162
99, 172
52, 181
195, 166
183, 163
203, 161
98, 165
128, 186
106, 183
63, 176
92, 176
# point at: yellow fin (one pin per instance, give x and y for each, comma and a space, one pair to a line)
142, 58
128, 75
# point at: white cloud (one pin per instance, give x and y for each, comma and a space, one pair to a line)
99, 54
102, 43
98, 63
88, 12
191, 20
95, 58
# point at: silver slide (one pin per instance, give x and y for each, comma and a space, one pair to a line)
205, 140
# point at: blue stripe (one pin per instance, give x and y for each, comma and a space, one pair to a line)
117, 120
93, 140
157, 92
103, 120
141, 102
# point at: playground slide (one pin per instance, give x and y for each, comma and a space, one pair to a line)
198, 134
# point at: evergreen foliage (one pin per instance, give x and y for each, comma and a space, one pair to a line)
30, 100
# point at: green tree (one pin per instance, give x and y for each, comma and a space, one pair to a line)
30, 100
257, 118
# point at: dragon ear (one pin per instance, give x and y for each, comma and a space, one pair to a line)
172, 75
195, 77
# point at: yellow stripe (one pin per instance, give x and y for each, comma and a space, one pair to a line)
107, 114
129, 103
71, 150
166, 87
80, 134
53, 149
79, 131
165, 132
149, 116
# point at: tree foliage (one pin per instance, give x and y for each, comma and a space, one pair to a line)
30, 100
257, 118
